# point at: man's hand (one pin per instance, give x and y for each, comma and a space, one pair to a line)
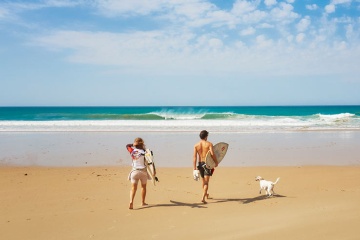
196, 175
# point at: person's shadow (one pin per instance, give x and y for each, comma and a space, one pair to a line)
175, 204
215, 200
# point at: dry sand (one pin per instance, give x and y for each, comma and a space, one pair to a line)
92, 203
71, 197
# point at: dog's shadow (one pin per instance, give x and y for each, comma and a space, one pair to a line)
247, 200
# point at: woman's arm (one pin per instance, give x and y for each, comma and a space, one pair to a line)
129, 147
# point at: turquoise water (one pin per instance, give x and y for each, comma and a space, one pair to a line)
159, 113
217, 118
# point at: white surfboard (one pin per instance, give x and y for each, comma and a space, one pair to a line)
150, 165
220, 150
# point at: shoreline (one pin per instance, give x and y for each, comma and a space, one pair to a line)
185, 131
175, 131
175, 149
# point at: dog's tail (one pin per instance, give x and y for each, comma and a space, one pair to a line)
276, 181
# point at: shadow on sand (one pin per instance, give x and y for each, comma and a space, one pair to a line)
214, 200
247, 200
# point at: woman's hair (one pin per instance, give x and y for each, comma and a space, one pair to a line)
139, 143
204, 134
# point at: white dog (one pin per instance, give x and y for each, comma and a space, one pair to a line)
268, 186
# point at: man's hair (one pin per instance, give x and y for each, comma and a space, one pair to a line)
204, 134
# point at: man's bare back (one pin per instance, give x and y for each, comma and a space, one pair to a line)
202, 148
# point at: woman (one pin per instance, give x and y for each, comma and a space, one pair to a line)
138, 172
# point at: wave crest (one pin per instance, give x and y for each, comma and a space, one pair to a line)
334, 118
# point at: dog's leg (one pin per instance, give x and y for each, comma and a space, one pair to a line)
272, 191
268, 191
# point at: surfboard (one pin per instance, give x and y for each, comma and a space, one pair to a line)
150, 165
220, 150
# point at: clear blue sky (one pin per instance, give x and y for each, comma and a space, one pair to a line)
179, 52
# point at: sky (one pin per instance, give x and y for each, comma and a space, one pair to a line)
179, 52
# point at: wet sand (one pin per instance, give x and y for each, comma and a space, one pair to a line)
64, 149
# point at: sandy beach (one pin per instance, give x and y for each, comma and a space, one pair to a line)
91, 203
81, 201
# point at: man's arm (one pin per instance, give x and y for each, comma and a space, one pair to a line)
213, 155
194, 158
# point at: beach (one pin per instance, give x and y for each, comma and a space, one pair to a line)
91, 203
73, 185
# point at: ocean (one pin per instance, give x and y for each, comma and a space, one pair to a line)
180, 118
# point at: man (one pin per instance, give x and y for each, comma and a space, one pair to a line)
200, 150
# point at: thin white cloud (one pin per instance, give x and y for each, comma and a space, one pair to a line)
270, 2
284, 13
303, 25
31, 6
312, 7
330, 8
4, 13
202, 15
146, 49
266, 26
125, 7
254, 17
175, 53
63, 3
242, 7
349, 31
263, 42
248, 31
11, 10
194, 9
341, 1
187, 13
215, 43
300, 37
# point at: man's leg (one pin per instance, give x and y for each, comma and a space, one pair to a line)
205, 185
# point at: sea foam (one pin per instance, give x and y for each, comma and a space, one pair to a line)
240, 124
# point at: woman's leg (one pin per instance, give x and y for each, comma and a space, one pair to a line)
143, 194
132, 194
